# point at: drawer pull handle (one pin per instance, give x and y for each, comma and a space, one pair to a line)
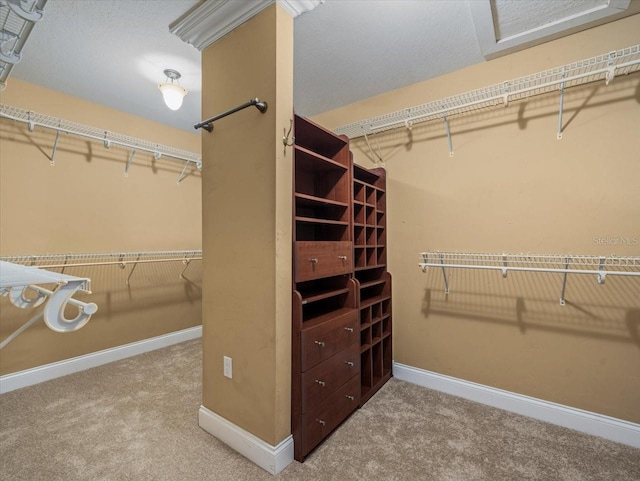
350, 398
342, 258
349, 363
313, 260
321, 421
321, 383
349, 329
319, 343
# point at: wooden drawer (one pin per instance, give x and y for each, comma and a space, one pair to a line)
320, 421
320, 342
314, 260
320, 382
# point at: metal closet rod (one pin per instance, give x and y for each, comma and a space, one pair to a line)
593, 265
33, 119
585, 71
208, 124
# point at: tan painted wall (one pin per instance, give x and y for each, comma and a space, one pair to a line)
512, 187
85, 204
247, 226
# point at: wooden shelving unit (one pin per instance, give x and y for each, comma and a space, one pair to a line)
373, 281
341, 313
325, 333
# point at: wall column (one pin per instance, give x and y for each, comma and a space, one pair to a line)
247, 208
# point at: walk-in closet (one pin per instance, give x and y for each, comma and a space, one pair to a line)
319, 239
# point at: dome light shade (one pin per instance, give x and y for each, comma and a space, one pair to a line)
172, 92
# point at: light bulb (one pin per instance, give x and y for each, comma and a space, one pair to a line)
173, 94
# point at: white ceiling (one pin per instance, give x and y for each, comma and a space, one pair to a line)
113, 52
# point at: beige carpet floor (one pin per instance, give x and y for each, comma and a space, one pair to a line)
136, 419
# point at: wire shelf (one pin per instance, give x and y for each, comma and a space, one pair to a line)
600, 266
109, 258
602, 67
108, 138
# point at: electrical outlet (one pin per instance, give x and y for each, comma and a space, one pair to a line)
228, 367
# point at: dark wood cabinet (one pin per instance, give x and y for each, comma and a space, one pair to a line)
341, 304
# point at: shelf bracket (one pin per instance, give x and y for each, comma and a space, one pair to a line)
444, 275
564, 281
52, 159
133, 269
446, 126
611, 68
182, 174
504, 269
107, 142
373, 153
126, 169
559, 133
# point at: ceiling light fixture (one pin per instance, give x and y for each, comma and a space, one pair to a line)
173, 93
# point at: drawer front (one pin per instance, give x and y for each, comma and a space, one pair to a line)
320, 421
314, 260
321, 342
320, 382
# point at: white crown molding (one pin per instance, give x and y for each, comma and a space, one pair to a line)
215, 18
617, 430
491, 47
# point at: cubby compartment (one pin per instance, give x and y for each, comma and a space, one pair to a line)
386, 307
320, 179
314, 310
376, 312
370, 194
376, 332
314, 230
376, 361
371, 256
366, 372
365, 338
370, 215
387, 358
311, 136
381, 220
381, 236
365, 316
359, 214
319, 289
359, 257
371, 236
380, 200
386, 326
358, 192
381, 253
359, 236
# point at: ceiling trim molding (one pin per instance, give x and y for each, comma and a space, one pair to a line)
491, 47
215, 18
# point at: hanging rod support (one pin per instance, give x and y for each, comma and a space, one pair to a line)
208, 124
126, 169
564, 281
446, 126
444, 274
52, 160
559, 134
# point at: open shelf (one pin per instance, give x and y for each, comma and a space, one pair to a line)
313, 201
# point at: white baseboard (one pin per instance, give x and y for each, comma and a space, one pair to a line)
28, 377
617, 430
272, 459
